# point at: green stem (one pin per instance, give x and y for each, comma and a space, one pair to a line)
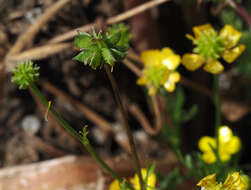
126, 124
77, 135
217, 102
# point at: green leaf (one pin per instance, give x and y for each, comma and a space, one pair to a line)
90, 56
189, 162
180, 99
190, 114
114, 33
108, 57
229, 16
243, 63
83, 40
113, 36
172, 180
118, 54
119, 37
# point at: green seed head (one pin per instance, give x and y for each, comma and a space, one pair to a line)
156, 74
209, 45
25, 74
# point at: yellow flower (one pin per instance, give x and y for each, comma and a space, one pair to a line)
228, 145
208, 183
246, 180
160, 70
210, 46
151, 181
233, 182
115, 185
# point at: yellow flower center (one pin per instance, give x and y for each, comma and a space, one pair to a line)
209, 45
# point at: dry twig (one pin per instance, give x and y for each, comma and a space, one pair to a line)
132, 67
139, 115
88, 113
28, 36
118, 18
36, 54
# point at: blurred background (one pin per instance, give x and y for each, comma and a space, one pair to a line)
84, 96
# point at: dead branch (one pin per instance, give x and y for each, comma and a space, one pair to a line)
118, 18
35, 54
28, 36
87, 112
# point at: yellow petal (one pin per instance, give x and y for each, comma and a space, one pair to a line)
230, 36
209, 157
141, 81
190, 37
150, 57
170, 84
205, 142
169, 58
192, 61
224, 156
151, 182
225, 134
234, 182
203, 28
230, 55
213, 66
234, 145
114, 185
208, 182
175, 77
246, 180
170, 87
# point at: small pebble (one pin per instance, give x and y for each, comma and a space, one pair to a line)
30, 124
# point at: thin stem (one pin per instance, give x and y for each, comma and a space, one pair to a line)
55, 114
77, 135
103, 164
217, 102
126, 124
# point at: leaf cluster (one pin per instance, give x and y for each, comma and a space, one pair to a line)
103, 48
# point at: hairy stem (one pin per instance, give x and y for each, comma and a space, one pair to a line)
126, 124
77, 135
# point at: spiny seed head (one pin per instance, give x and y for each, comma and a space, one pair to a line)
25, 74
156, 74
209, 45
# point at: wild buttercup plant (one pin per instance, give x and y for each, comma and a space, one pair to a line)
105, 49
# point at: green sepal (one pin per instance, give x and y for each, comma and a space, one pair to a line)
83, 40
108, 57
